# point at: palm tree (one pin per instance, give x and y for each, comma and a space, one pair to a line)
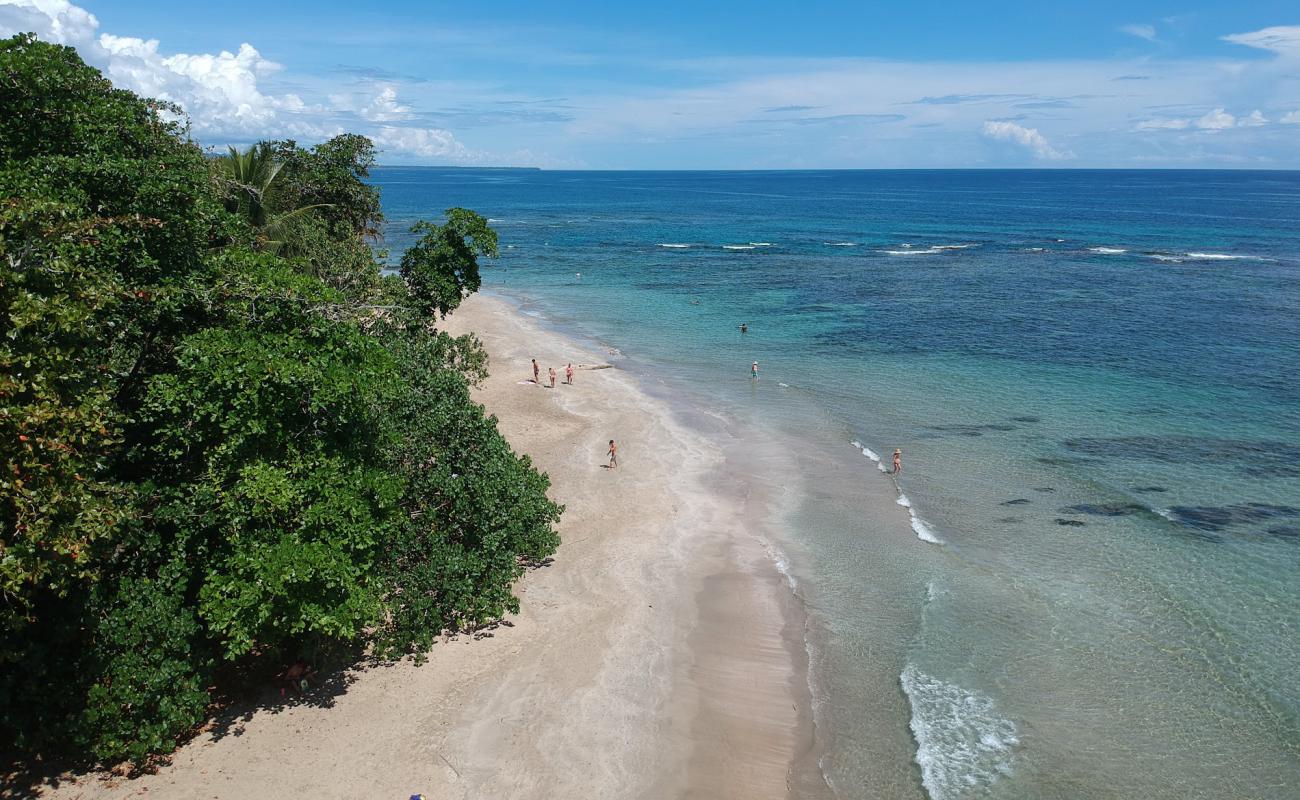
251, 175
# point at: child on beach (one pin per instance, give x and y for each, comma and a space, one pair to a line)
551, 374
613, 454
898, 461
568, 374
537, 373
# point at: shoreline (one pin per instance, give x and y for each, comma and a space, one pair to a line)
660, 654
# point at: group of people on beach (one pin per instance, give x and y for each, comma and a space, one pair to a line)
568, 379
552, 374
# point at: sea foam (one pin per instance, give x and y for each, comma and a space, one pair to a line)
673, 246
738, 246
909, 250
923, 531
1107, 251
963, 745
869, 453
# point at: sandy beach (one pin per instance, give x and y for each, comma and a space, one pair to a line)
659, 654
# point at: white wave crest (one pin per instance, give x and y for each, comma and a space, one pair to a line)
673, 246
1220, 257
840, 244
738, 247
962, 743
923, 531
903, 501
866, 451
762, 244
1107, 251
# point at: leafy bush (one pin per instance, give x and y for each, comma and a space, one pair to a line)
215, 450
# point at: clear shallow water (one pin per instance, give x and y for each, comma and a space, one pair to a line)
1092, 378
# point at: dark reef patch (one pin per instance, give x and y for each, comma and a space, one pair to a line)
1019, 501
1106, 509
1026, 419
1217, 518
1044, 489
1074, 523
1258, 459
1149, 489
972, 430
1066, 461
1285, 531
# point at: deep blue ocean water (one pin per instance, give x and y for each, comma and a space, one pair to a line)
1090, 586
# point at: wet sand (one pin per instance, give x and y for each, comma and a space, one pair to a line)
659, 655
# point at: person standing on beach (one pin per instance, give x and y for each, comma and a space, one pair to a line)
753, 370
613, 454
537, 373
551, 374
568, 374
898, 461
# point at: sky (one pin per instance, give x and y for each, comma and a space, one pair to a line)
717, 85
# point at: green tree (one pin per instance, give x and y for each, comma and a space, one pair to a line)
441, 268
216, 453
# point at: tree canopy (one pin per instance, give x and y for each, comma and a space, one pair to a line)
217, 453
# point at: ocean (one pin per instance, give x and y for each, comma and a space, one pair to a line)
1086, 581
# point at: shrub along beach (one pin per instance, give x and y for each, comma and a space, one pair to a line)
231, 444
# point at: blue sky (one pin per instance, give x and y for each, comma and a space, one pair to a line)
726, 85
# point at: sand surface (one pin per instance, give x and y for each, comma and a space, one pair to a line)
659, 655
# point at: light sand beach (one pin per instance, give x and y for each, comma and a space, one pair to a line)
660, 654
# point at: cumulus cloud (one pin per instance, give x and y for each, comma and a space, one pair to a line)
1212, 121
1027, 137
1281, 39
1216, 120
1291, 118
223, 93
220, 92
382, 107
1141, 31
424, 142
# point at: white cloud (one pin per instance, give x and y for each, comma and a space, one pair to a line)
1164, 124
1216, 120
222, 93
382, 107
1147, 32
424, 142
1028, 137
1211, 122
1282, 39
1291, 118
1254, 120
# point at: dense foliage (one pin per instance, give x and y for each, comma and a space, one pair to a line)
217, 445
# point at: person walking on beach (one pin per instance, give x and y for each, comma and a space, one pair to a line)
613, 454
898, 461
753, 370
537, 373
551, 374
568, 374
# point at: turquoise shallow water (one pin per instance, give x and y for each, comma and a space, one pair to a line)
1095, 592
